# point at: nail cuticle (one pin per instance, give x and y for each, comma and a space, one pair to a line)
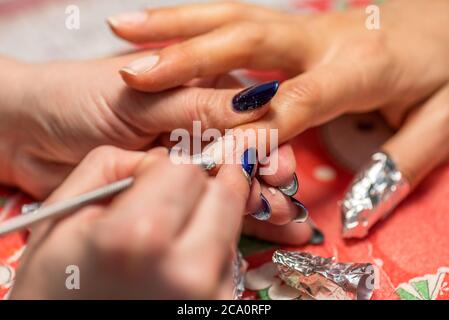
128, 18
141, 65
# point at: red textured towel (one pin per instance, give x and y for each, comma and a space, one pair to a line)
412, 243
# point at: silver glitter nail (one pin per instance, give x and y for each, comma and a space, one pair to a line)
292, 188
302, 213
264, 213
205, 161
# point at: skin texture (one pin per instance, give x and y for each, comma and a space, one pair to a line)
133, 246
336, 66
71, 107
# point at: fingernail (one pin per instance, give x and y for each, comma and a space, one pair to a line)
302, 213
292, 188
249, 163
141, 65
129, 18
30, 207
255, 97
317, 236
265, 212
373, 193
205, 161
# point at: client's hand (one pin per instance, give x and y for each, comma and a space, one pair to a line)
53, 114
337, 64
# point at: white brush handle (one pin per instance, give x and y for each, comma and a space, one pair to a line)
63, 207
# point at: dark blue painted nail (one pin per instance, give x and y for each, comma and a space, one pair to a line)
249, 163
291, 189
265, 211
255, 97
302, 213
317, 236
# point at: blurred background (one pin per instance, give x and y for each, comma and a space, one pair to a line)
34, 30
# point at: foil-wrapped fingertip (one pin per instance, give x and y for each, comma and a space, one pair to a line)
374, 192
352, 227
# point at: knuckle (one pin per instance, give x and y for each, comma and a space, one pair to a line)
231, 6
374, 52
225, 192
105, 160
199, 278
203, 108
101, 153
150, 231
370, 45
119, 244
233, 9
246, 35
304, 93
191, 172
184, 51
250, 33
202, 111
215, 119
375, 45
105, 243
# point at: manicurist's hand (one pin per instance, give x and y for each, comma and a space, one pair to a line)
172, 235
53, 114
336, 63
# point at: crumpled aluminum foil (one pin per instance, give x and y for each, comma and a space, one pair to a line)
372, 195
323, 278
239, 269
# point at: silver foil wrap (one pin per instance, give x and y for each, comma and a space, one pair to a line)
239, 276
323, 278
372, 195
